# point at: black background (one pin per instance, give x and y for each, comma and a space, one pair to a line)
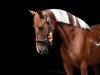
20, 55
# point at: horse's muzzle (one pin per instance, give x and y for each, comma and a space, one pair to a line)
41, 45
42, 50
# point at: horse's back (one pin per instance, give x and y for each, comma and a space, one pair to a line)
95, 32
96, 27
95, 43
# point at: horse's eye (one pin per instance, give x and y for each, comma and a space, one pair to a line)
41, 28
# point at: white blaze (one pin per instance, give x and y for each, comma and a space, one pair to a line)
37, 48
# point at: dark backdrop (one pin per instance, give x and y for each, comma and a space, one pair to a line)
21, 55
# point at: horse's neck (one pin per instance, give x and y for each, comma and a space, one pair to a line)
69, 34
63, 31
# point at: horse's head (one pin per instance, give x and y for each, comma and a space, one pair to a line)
43, 31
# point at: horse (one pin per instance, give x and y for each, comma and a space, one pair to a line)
80, 43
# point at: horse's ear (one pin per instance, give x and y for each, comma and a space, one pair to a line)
40, 13
32, 12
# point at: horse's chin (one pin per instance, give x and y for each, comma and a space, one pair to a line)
42, 50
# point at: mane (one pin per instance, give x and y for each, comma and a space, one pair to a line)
64, 17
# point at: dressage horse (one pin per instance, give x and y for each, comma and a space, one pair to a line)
80, 43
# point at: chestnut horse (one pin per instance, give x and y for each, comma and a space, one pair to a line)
80, 43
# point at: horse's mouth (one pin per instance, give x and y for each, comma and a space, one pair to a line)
42, 50
42, 44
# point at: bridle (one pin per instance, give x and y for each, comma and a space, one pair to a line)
50, 30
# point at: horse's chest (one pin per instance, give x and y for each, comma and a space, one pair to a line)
75, 57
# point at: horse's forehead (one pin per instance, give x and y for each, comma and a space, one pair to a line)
38, 20
36, 17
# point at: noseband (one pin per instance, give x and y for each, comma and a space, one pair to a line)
45, 40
